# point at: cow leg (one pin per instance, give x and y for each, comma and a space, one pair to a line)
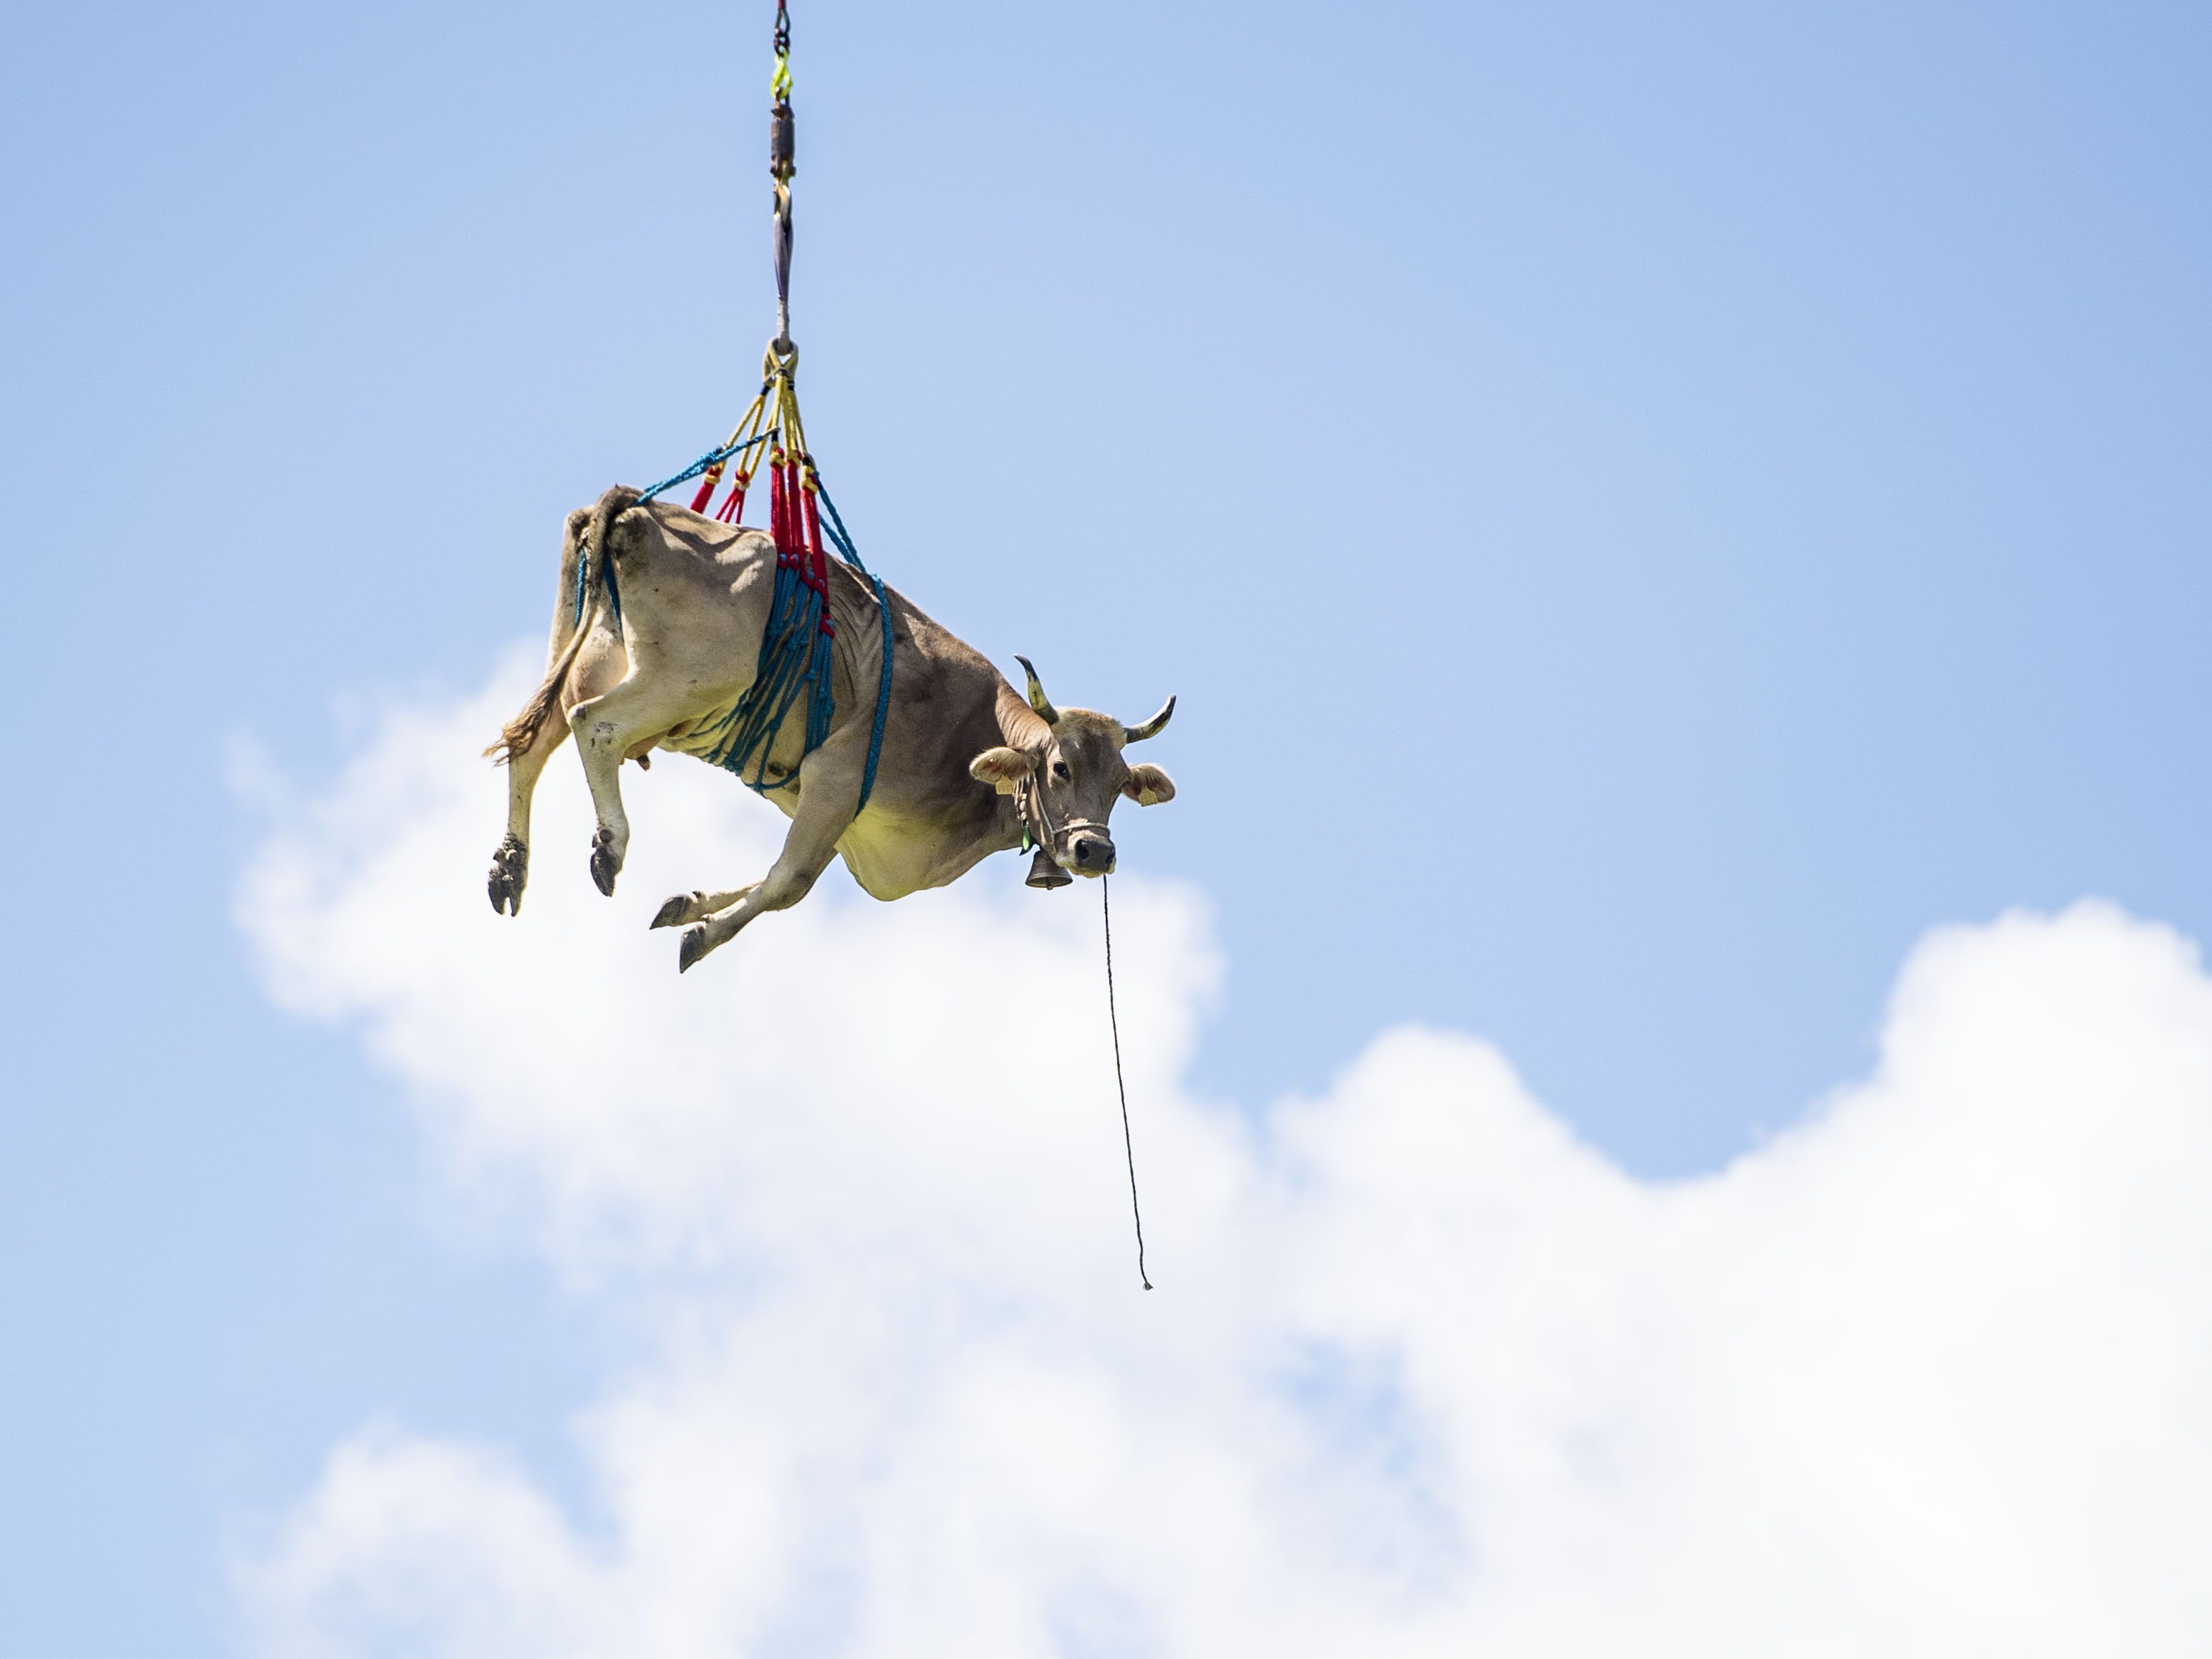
510, 865
698, 906
830, 791
607, 727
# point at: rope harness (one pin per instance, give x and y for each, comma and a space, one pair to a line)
1037, 828
1046, 838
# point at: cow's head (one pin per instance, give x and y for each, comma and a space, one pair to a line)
1072, 779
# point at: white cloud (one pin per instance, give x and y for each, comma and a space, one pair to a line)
1931, 1373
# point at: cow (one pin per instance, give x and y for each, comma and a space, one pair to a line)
673, 608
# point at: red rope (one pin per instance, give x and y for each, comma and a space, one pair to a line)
706, 492
733, 509
817, 563
816, 571
778, 509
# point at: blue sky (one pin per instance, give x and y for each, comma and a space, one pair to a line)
1646, 511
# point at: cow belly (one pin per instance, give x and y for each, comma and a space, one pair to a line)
890, 860
700, 738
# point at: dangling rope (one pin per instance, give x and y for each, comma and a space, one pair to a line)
1113, 1020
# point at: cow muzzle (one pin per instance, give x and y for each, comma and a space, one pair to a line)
1090, 852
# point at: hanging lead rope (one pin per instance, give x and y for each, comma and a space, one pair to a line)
1113, 1020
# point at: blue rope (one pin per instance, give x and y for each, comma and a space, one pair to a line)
583, 583
710, 458
838, 537
851, 554
794, 655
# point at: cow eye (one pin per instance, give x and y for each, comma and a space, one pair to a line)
1059, 769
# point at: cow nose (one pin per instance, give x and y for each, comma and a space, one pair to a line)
1094, 857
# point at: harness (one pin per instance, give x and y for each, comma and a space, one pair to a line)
1039, 832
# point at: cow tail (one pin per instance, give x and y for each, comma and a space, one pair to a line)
520, 733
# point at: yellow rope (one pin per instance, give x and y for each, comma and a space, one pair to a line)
748, 423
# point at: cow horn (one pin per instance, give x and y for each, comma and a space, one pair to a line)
1151, 729
1038, 700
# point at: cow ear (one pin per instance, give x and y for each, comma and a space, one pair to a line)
1148, 786
1003, 768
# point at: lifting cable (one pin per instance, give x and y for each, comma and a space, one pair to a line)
796, 649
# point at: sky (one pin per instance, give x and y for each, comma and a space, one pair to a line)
1677, 537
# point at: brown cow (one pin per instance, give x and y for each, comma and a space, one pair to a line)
967, 765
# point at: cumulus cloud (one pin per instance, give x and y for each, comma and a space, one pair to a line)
1931, 1373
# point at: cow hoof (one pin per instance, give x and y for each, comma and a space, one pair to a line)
677, 911
510, 869
604, 867
694, 945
